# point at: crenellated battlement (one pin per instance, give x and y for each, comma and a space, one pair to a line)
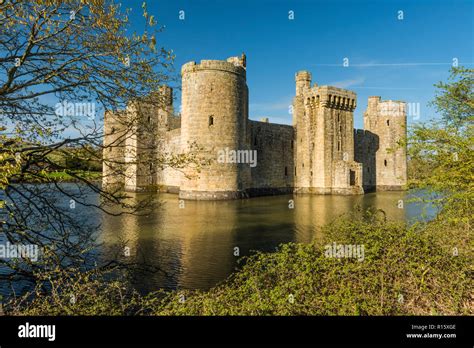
383, 108
391, 108
326, 96
330, 97
337, 98
233, 65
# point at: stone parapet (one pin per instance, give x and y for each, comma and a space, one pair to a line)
218, 65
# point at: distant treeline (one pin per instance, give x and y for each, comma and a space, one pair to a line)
73, 158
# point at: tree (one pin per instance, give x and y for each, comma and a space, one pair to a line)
53, 53
445, 148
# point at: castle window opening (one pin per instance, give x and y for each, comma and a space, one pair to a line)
291, 144
388, 122
385, 163
295, 171
211, 120
255, 141
149, 119
286, 171
352, 177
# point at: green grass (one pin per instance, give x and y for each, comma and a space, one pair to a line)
62, 176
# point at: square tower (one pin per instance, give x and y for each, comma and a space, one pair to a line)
324, 139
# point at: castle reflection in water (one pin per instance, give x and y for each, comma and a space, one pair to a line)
194, 246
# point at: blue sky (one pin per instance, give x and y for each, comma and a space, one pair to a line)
396, 59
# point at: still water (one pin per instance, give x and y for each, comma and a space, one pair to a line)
194, 245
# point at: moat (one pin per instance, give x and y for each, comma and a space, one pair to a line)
194, 245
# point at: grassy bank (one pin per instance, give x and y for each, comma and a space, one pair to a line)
61, 176
405, 270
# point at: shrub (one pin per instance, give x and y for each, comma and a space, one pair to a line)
406, 270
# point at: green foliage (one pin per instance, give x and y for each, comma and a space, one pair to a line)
405, 271
442, 151
56, 56
9, 161
75, 292
455, 100
88, 159
71, 51
65, 176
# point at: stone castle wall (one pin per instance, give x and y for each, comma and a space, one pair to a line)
321, 153
169, 178
366, 145
174, 122
275, 166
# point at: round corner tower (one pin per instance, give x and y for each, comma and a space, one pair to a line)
214, 119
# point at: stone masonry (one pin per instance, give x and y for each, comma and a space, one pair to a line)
321, 153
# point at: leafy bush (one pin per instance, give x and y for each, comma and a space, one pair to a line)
405, 271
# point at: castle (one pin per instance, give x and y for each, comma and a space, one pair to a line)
320, 153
